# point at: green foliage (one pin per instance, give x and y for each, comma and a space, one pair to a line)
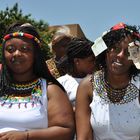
14, 14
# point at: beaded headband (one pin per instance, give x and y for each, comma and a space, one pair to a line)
18, 34
121, 25
99, 45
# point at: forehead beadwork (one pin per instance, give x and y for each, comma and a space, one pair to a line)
122, 25
21, 34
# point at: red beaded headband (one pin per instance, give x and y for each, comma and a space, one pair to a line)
123, 26
17, 34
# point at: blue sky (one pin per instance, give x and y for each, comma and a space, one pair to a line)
94, 16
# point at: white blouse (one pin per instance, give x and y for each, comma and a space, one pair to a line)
27, 116
116, 121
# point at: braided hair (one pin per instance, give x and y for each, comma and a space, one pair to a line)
76, 48
40, 68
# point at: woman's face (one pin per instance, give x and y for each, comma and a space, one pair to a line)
117, 58
19, 55
85, 65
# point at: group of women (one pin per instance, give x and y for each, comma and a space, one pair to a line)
35, 106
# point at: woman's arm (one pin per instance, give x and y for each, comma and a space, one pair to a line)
83, 100
60, 117
60, 120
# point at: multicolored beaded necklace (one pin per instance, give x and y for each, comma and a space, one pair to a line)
115, 96
23, 93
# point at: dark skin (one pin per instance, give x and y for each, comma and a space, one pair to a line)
18, 53
118, 77
83, 100
83, 66
19, 57
118, 65
59, 52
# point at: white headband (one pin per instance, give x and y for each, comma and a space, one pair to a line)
99, 46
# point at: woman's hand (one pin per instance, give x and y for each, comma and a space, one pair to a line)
14, 135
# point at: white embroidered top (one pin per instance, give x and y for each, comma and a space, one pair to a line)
112, 121
25, 117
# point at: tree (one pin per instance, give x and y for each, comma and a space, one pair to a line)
14, 14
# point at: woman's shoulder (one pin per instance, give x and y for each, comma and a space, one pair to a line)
86, 83
53, 89
89, 81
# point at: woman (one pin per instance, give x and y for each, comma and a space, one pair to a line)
108, 102
78, 62
33, 104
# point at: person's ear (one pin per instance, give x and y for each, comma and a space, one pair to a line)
76, 61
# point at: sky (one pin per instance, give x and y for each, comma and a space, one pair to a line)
93, 16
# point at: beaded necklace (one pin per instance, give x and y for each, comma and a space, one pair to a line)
23, 93
115, 96
24, 88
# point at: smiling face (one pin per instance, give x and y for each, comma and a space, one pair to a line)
117, 58
19, 55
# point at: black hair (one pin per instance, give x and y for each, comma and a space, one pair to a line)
76, 48
40, 68
115, 36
